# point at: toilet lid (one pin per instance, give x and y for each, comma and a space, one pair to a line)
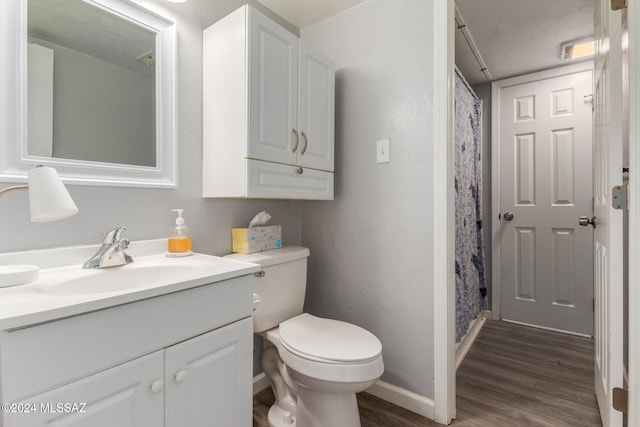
329, 340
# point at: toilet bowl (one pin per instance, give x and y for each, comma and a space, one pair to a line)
315, 365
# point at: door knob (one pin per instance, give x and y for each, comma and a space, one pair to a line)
508, 216
587, 220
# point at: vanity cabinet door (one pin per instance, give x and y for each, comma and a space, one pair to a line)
273, 91
209, 380
316, 110
128, 395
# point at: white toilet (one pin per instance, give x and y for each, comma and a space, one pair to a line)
315, 365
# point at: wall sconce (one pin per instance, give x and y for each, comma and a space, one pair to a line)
49, 199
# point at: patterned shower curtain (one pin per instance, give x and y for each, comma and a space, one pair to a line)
470, 268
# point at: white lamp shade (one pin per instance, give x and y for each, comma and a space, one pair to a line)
48, 197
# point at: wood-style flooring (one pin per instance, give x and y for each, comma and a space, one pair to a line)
512, 376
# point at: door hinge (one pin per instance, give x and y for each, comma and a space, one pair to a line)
621, 399
619, 4
619, 197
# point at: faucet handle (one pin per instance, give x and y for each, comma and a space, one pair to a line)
112, 236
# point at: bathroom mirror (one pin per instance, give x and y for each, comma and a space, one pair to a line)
91, 93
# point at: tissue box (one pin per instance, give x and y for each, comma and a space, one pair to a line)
256, 239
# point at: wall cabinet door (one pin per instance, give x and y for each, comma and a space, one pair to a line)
273, 91
209, 378
129, 395
316, 110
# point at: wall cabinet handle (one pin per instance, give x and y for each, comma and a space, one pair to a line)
306, 143
299, 170
180, 376
295, 146
157, 386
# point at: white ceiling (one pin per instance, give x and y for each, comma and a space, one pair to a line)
302, 13
513, 37
516, 37
80, 26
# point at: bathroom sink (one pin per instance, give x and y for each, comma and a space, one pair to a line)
129, 277
147, 272
65, 289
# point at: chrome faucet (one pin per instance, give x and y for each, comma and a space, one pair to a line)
111, 253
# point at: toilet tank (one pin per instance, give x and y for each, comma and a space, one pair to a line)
281, 288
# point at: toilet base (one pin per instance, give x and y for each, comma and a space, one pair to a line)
279, 418
320, 409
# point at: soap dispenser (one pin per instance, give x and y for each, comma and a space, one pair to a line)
179, 237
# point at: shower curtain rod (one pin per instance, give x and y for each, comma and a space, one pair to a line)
468, 39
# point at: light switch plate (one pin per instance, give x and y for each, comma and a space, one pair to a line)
382, 151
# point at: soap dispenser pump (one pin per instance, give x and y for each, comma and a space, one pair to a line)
179, 237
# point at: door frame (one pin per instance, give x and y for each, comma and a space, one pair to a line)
443, 274
634, 218
496, 88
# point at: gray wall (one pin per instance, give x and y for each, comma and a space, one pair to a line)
371, 249
102, 111
147, 212
484, 93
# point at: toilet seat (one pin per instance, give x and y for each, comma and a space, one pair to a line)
356, 366
328, 340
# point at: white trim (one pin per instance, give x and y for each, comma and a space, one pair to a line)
546, 74
15, 162
546, 328
496, 87
634, 216
404, 398
495, 202
469, 338
260, 382
444, 375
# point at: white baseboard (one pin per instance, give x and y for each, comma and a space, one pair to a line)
562, 331
404, 398
398, 396
260, 382
467, 341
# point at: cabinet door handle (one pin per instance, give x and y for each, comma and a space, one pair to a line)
299, 170
295, 146
306, 143
157, 386
180, 376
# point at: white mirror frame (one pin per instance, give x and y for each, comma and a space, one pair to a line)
15, 161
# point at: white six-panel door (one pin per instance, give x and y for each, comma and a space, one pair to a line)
546, 259
608, 128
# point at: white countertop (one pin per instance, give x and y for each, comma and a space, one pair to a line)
49, 298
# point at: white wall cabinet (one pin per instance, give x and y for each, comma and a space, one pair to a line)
181, 360
268, 105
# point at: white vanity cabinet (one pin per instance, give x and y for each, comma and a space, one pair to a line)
177, 360
268, 112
